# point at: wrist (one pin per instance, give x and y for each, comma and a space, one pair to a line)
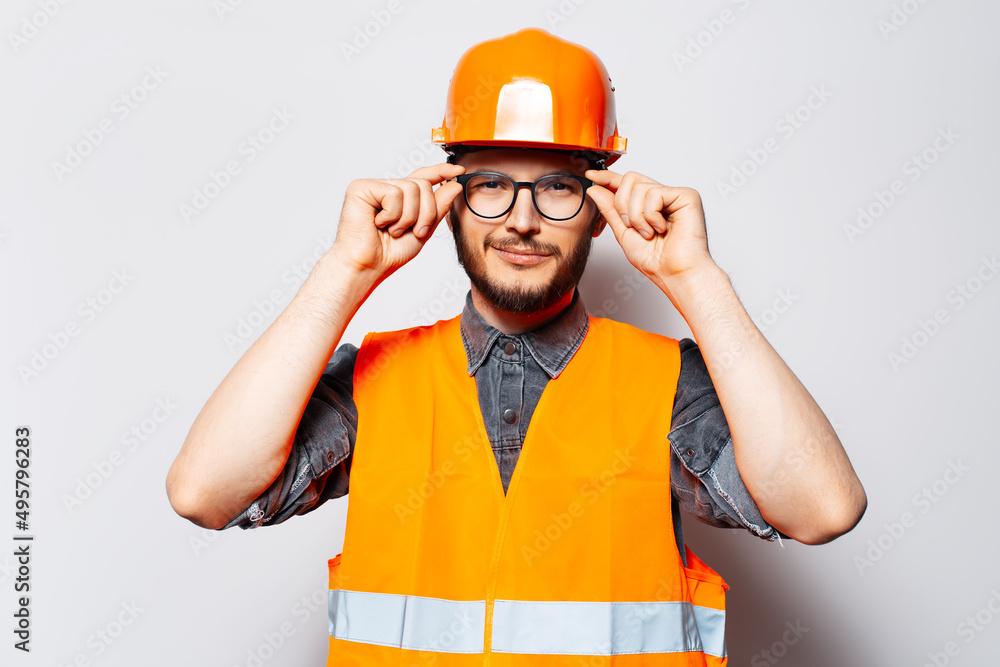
337, 283
695, 284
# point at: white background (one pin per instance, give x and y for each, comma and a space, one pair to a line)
207, 598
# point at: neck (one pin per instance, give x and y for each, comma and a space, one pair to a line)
516, 323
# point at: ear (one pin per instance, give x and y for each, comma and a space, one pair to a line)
599, 223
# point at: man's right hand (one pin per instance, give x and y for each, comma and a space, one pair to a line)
385, 222
242, 438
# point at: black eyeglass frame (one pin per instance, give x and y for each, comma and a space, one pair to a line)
464, 179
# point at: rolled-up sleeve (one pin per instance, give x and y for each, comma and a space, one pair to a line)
319, 464
703, 471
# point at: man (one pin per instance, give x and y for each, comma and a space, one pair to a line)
517, 470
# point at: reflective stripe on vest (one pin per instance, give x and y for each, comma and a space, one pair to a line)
585, 628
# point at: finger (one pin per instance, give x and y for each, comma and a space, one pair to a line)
438, 173
653, 207
675, 200
622, 197
387, 198
428, 207
444, 197
411, 208
604, 177
605, 200
636, 214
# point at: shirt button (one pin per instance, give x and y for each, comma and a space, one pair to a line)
690, 452
329, 457
509, 348
509, 416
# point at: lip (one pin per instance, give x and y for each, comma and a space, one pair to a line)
522, 257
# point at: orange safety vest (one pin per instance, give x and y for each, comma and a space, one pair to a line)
576, 565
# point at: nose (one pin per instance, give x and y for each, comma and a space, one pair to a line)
523, 218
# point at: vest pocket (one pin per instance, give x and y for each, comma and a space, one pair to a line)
334, 564
708, 596
699, 571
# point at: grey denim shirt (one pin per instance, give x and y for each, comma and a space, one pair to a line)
511, 372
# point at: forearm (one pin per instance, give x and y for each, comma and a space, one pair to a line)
788, 454
242, 438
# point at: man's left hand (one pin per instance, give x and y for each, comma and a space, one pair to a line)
660, 228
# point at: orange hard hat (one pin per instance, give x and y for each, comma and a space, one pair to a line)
534, 90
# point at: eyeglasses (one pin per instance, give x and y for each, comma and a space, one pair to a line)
556, 197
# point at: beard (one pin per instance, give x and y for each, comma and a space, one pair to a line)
516, 297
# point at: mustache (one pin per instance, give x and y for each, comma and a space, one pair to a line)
522, 243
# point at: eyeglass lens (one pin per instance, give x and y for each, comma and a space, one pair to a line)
558, 197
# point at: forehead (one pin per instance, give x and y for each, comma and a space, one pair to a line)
522, 161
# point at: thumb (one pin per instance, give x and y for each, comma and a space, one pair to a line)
445, 196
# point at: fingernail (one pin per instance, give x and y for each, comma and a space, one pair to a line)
646, 234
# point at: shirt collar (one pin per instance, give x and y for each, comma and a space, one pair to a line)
552, 345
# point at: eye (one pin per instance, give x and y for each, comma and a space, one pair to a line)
488, 184
559, 185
